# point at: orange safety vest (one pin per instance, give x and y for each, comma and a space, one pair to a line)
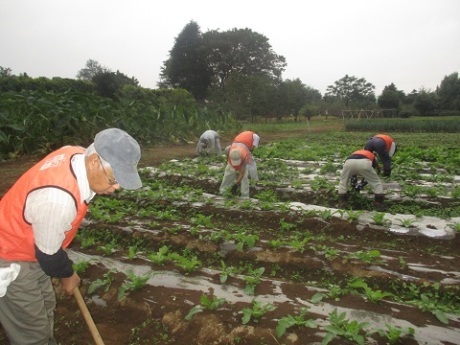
387, 139
245, 138
245, 156
55, 170
367, 154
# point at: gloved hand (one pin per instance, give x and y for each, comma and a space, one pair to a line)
387, 172
234, 189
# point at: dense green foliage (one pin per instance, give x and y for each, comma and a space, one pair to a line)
432, 124
40, 120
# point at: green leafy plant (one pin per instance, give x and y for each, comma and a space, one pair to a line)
226, 271
256, 311
253, 279
370, 257
133, 283
245, 240
294, 321
98, 283
108, 249
133, 252
353, 216
189, 263
455, 226
206, 303
80, 266
406, 223
160, 256
427, 304
341, 327
372, 295
379, 219
394, 334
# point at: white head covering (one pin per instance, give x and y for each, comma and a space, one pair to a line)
255, 140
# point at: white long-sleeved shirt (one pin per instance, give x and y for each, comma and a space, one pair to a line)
51, 210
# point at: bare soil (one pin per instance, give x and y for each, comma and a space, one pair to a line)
155, 314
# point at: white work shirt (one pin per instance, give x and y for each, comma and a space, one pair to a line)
51, 211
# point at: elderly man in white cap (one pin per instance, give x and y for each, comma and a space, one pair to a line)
209, 143
40, 216
240, 164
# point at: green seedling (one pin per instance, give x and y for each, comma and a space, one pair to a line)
353, 216
88, 242
326, 214
133, 252
286, 226
203, 220
427, 304
394, 334
133, 283
99, 283
253, 279
402, 262
406, 223
256, 312
275, 243
290, 321
189, 264
108, 249
245, 240
226, 271
373, 296
298, 246
340, 327
370, 257
206, 303
455, 226
159, 257
379, 219
81, 266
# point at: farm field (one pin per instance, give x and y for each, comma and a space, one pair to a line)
176, 263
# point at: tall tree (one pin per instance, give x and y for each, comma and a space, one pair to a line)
425, 102
91, 69
241, 51
391, 97
5, 71
187, 66
294, 95
108, 83
449, 92
352, 91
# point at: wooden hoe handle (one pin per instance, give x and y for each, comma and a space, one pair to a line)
89, 320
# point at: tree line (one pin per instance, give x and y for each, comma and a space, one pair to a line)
210, 80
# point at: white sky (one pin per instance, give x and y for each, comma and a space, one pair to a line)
411, 43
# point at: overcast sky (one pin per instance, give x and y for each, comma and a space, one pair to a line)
411, 43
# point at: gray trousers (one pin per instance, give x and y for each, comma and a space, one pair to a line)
230, 176
362, 167
27, 309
